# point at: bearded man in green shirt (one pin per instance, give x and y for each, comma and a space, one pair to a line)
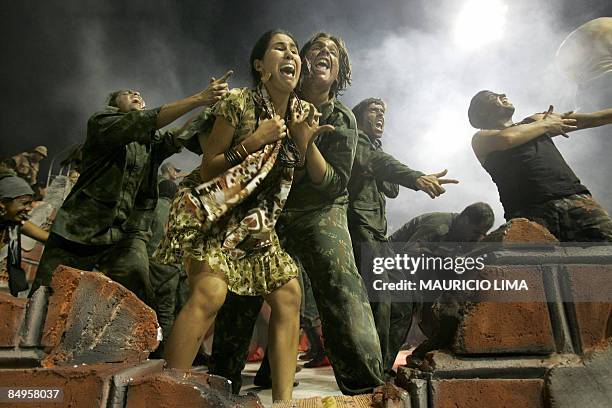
376, 175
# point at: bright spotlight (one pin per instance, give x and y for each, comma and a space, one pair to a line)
480, 22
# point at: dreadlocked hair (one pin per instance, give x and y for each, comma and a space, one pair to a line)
344, 69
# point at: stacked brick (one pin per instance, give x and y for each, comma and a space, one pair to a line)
554, 350
90, 338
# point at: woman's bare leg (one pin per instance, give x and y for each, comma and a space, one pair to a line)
207, 294
283, 337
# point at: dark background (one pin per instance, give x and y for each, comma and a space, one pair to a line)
61, 58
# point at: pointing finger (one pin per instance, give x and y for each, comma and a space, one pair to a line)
225, 76
448, 181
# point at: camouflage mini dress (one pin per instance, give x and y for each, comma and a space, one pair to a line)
253, 263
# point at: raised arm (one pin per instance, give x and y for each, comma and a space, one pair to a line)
172, 111
304, 130
591, 120
338, 148
487, 141
113, 127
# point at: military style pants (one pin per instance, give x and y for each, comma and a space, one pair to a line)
125, 262
321, 241
165, 281
393, 319
577, 218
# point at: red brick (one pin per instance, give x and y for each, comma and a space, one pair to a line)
499, 328
82, 386
520, 230
496, 325
92, 319
487, 393
593, 318
12, 311
181, 389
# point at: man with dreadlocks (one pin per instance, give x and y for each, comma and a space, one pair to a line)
314, 229
104, 221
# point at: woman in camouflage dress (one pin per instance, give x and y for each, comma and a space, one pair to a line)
222, 220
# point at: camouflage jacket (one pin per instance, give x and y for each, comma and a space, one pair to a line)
158, 224
116, 192
375, 174
430, 227
338, 149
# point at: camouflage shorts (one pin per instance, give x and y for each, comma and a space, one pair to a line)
577, 218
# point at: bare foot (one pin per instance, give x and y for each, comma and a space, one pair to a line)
388, 396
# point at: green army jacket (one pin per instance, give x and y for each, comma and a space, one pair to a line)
158, 223
116, 192
338, 149
430, 227
375, 174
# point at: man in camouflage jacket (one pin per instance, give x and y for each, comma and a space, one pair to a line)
377, 174
105, 220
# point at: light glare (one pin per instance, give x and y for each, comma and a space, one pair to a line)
480, 22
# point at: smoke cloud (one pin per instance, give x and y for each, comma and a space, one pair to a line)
65, 57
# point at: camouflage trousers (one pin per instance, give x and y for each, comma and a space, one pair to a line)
309, 315
166, 283
125, 262
321, 241
577, 218
393, 319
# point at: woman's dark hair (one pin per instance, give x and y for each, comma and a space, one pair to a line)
344, 69
258, 51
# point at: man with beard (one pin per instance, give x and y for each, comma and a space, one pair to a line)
377, 174
313, 228
104, 221
532, 178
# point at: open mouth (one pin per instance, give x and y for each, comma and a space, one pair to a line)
288, 70
322, 64
379, 125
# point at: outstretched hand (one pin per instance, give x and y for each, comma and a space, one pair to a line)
559, 123
216, 90
432, 183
